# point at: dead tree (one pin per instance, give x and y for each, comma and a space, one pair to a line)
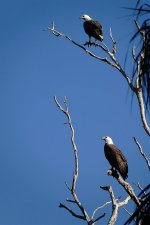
84, 215
137, 89
90, 220
111, 59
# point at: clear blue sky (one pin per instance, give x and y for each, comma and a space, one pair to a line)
35, 150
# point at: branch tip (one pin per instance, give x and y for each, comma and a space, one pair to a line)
142, 152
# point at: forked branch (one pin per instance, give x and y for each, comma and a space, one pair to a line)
84, 216
111, 60
125, 185
110, 53
115, 204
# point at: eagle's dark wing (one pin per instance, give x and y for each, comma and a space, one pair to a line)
96, 25
116, 159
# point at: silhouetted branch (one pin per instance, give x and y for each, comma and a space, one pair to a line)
140, 30
98, 218
130, 214
142, 213
142, 152
139, 187
69, 200
115, 204
71, 211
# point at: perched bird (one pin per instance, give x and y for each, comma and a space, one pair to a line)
115, 157
92, 28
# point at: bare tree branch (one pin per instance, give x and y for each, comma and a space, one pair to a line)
72, 190
115, 204
98, 218
75, 175
67, 186
139, 78
139, 95
114, 49
114, 63
59, 34
100, 207
142, 152
71, 211
125, 185
130, 214
139, 29
133, 53
140, 188
138, 90
69, 200
124, 202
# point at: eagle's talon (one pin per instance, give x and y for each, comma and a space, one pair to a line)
88, 43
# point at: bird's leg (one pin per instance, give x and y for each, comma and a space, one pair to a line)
114, 172
89, 41
95, 43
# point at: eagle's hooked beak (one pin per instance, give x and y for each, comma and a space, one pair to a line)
81, 17
103, 138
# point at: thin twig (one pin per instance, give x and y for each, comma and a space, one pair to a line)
114, 49
69, 200
98, 218
140, 188
100, 207
139, 29
67, 186
142, 153
130, 214
71, 211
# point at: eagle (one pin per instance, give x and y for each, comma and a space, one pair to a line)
92, 28
115, 157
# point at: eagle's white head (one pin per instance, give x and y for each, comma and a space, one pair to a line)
86, 17
108, 140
